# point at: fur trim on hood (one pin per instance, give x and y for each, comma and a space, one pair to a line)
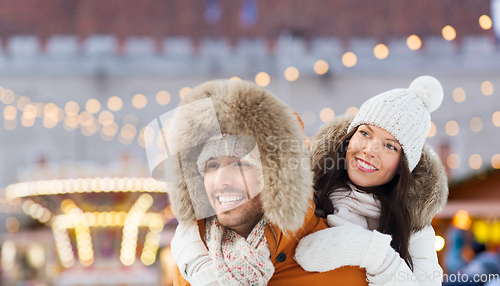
429, 191
243, 108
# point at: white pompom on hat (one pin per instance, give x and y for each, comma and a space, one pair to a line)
405, 113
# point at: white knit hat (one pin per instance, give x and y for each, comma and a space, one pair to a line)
239, 146
405, 113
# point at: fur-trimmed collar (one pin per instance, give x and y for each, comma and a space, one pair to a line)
429, 191
242, 108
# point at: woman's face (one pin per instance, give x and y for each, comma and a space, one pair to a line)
372, 156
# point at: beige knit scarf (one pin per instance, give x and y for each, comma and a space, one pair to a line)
239, 261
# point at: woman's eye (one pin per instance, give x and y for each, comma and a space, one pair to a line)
391, 147
364, 133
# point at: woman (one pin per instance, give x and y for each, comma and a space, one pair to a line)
379, 189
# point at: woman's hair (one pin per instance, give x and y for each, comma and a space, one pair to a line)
331, 174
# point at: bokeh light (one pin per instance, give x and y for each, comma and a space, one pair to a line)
321, 67
452, 128
413, 42
12, 224
93, 105
71, 108
291, 73
476, 124
485, 22
352, 110
487, 88
262, 79
349, 59
139, 101
432, 130
459, 94
308, 118
326, 114
496, 118
381, 51
185, 90
453, 161
475, 161
163, 97
115, 103
495, 161
449, 33
439, 243
235, 78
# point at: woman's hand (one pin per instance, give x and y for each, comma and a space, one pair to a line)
343, 244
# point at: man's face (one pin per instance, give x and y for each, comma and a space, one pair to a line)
233, 186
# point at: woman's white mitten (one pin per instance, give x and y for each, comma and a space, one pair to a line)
188, 247
343, 244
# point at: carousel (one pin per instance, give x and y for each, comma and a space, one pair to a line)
110, 224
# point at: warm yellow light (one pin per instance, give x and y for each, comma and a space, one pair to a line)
115, 103
27, 121
439, 243
110, 130
481, 230
321, 67
71, 108
475, 161
291, 73
128, 131
487, 88
495, 161
90, 129
432, 130
12, 224
139, 101
476, 124
449, 33
485, 22
163, 97
49, 122
381, 51
9, 112
459, 94
30, 111
22, 102
349, 59
185, 90
413, 42
85, 118
496, 118
452, 128
106, 118
453, 161
462, 220
8, 96
93, 105
326, 114
352, 110
262, 79
235, 78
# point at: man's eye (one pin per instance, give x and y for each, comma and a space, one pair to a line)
211, 167
241, 164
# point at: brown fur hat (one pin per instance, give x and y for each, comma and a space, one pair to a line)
429, 191
243, 108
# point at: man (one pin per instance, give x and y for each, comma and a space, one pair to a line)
246, 178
